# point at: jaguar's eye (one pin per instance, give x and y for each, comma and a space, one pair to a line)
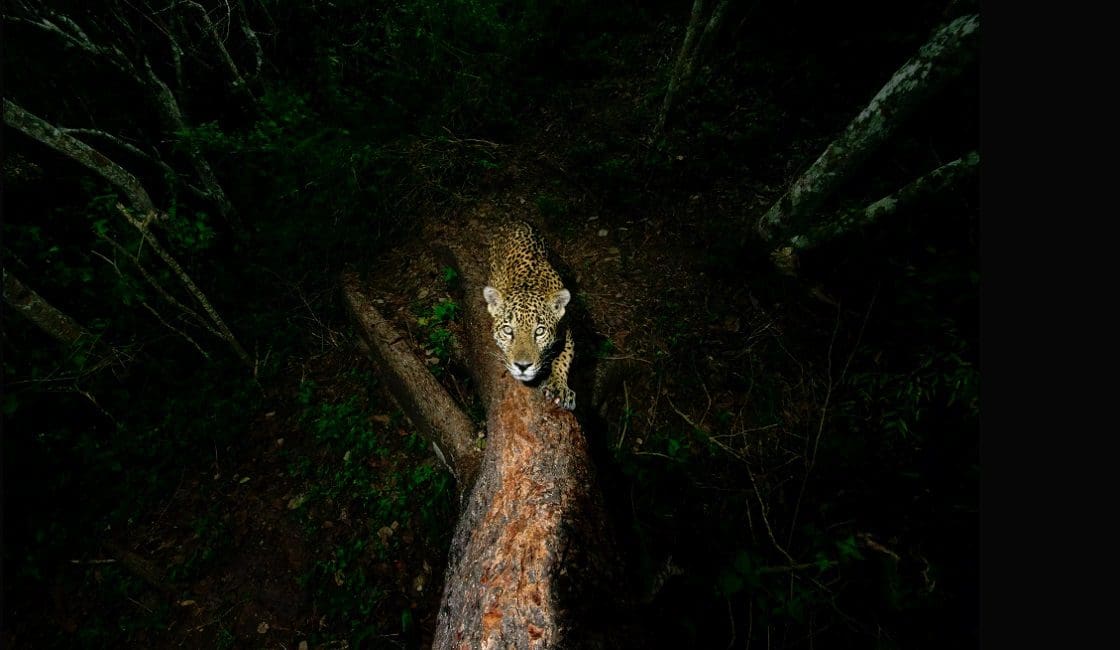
507, 330
540, 330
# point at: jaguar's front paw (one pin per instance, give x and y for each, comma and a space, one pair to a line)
560, 395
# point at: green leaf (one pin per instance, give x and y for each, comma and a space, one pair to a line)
743, 563
730, 583
11, 404
848, 548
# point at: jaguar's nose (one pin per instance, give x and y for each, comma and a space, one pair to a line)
522, 366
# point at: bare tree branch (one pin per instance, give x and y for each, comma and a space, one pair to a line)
238, 81
45, 316
57, 139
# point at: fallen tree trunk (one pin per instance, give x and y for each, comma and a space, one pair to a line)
532, 563
417, 392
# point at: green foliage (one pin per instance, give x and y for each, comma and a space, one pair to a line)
434, 322
369, 472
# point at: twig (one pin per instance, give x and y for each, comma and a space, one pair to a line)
152, 281
176, 330
820, 430
226, 334
625, 414
765, 518
731, 617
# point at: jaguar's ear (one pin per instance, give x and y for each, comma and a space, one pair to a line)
493, 300
560, 300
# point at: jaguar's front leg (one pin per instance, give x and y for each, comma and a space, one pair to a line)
555, 387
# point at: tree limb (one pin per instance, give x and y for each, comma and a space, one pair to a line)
45, 316
941, 59
419, 395
57, 139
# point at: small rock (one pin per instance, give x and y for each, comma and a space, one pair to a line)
270, 414
244, 480
303, 645
297, 501
262, 628
279, 442
603, 232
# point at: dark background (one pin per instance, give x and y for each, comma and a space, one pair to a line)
368, 120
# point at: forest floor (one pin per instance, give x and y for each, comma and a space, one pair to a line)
329, 524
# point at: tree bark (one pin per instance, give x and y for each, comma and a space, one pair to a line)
419, 395
532, 563
61, 327
943, 57
45, 316
35, 127
936, 181
692, 48
678, 67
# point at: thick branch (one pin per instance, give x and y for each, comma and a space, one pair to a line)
57, 139
683, 58
45, 316
419, 395
934, 182
941, 59
251, 37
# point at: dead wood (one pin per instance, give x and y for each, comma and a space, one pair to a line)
419, 395
532, 563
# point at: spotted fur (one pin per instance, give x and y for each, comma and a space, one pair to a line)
527, 300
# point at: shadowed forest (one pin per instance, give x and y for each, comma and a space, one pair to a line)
766, 213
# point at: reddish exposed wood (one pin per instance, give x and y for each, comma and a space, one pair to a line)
532, 563
419, 395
